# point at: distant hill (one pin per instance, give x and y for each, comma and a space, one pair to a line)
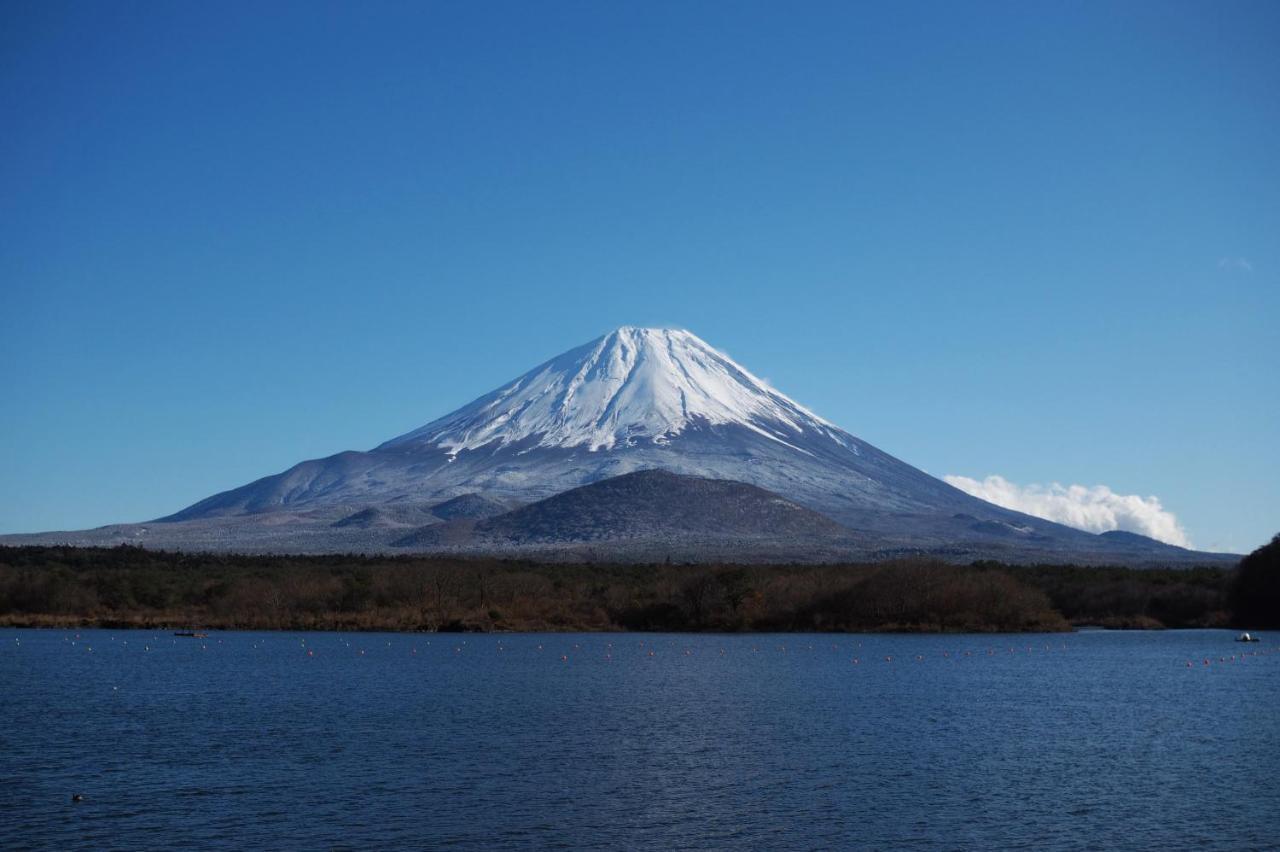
1134, 542
468, 506
650, 504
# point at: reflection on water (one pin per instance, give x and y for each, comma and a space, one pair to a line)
1090, 740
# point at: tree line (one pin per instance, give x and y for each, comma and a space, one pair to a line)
129, 586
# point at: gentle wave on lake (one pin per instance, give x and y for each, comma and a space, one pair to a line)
1116, 740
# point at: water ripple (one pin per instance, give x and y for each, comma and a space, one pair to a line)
270, 741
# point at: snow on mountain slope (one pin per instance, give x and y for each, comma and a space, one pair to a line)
634, 399
630, 385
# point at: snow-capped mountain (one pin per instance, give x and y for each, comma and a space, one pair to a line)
630, 386
634, 399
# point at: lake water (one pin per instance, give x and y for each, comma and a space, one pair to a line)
270, 740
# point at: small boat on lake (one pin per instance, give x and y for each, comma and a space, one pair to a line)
191, 634
1245, 637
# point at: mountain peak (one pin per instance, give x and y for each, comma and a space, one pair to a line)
629, 386
651, 329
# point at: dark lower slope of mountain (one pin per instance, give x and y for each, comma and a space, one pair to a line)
654, 515
642, 517
651, 505
314, 532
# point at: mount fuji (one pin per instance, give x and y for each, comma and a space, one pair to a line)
636, 399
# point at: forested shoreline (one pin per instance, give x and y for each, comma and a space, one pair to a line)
133, 587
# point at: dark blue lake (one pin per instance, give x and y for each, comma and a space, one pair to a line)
269, 740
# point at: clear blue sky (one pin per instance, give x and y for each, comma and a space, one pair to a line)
1040, 240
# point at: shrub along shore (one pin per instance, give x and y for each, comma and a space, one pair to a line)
134, 587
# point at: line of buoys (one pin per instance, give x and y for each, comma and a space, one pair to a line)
677, 647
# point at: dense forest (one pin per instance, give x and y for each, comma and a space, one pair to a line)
129, 586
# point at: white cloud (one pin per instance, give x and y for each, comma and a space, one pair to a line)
1241, 263
1095, 509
